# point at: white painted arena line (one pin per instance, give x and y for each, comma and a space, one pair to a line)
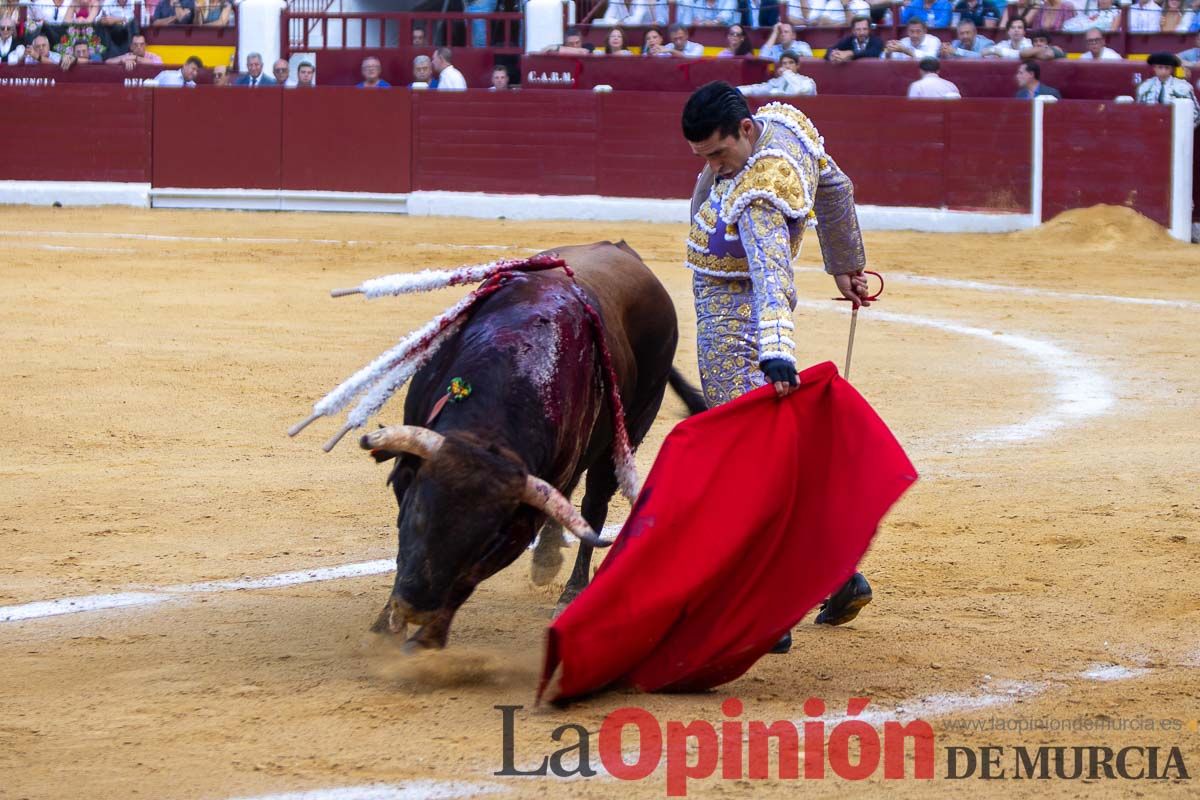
163, 237
404, 790
100, 602
1027, 291
1080, 392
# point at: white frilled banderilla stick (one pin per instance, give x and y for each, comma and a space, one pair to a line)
854, 321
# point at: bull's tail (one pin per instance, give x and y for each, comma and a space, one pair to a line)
690, 395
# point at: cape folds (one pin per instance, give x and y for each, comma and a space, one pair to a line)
753, 513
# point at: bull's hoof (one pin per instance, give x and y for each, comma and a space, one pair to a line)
565, 599
547, 555
390, 620
783, 645
844, 604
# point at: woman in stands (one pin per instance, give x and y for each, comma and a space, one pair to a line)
214, 12
614, 43
1174, 18
738, 44
653, 44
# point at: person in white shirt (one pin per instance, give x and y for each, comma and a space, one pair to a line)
826, 13
49, 12
781, 40
635, 12
918, 43
184, 76
39, 52
1096, 51
680, 46
1103, 15
449, 78
11, 51
1164, 88
708, 12
786, 81
930, 84
1145, 17
1013, 45
115, 12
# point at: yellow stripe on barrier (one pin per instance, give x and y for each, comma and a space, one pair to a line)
212, 56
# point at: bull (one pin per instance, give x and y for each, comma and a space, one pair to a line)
475, 480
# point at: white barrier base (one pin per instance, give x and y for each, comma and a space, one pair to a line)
468, 204
74, 193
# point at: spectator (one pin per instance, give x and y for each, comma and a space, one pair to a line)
449, 78
1042, 50
787, 80
371, 70
931, 85
215, 13
821, 13
1191, 56
652, 44
1013, 45
614, 43
500, 79
859, 44
137, 54
281, 71
11, 50
184, 76
479, 28
306, 75
969, 43
758, 13
917, 44
984, 13
1174, 18
1164, 87
173, 12
738, 44
1145, 16
1104, 15
423, 73
934, 13
39, 52
117, 17
47, 12
1051, 15
573, 44
635, 12
707, 12
782, 40
1096, 51
81, 53
680, 46
254, 73
1029, 79
418, 36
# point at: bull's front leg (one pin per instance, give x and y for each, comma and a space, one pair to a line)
601, 485
547, 554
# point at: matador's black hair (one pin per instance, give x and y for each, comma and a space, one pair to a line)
715, 106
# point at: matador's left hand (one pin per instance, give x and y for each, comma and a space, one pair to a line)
853, 286
781, 374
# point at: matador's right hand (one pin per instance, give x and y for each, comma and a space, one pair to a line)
853, 286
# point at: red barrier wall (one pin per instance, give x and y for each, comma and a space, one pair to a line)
76, 133
534, 142
1107, 153
363, 147
873, 77
968, 154
217, 137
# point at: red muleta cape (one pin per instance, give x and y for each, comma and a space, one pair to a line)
753, 513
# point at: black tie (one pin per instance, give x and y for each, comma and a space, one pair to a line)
253, 81
1162, 90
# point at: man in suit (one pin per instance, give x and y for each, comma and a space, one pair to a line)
1029, 78
253, 76
859, 44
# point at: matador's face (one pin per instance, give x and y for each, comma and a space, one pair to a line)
726, 155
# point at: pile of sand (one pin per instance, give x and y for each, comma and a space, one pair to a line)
1103, 226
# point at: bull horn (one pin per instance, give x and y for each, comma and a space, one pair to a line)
546, 498
403, 439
